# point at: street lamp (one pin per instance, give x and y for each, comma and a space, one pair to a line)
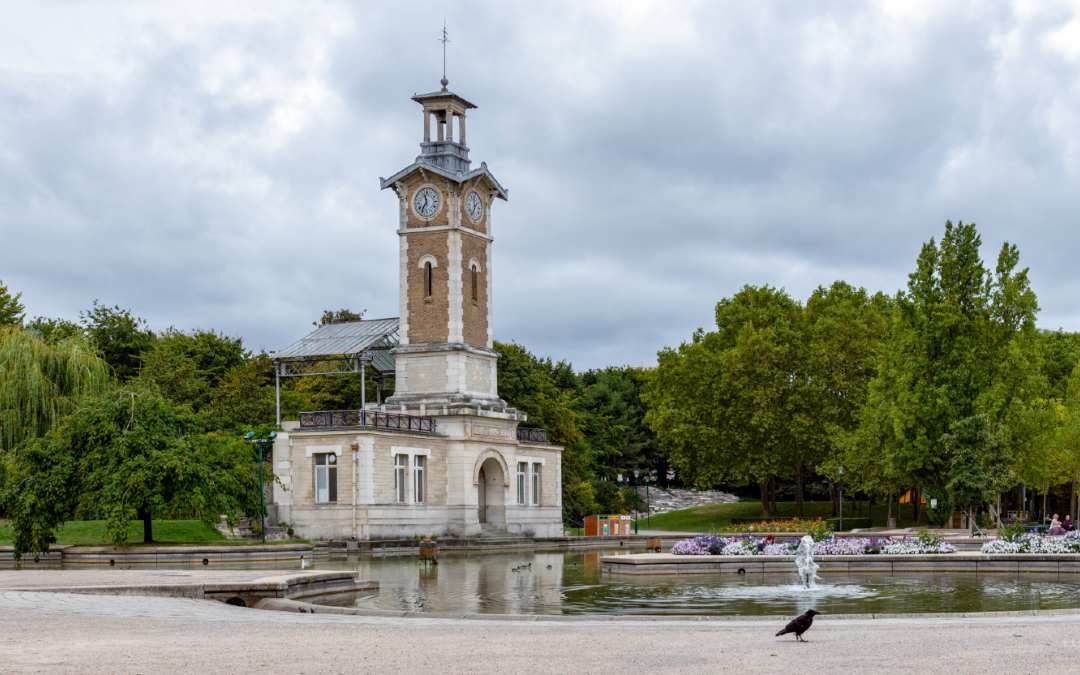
637, 496
261, 444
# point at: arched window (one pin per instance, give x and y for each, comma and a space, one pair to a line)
474, 281
428, 263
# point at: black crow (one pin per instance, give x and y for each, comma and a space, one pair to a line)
800, 624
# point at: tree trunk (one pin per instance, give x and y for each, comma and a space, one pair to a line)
765, 498
890, 519
772, 496
1072, 501
915, 504
147, 525
833, 497
799, 505
1044, 505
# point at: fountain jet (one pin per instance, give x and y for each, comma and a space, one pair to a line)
804, 561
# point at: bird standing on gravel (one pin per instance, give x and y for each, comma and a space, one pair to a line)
800, 624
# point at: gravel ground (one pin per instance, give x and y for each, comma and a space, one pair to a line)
56, 632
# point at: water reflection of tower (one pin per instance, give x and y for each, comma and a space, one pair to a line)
429, 577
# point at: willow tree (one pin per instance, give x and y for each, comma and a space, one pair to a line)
41, 382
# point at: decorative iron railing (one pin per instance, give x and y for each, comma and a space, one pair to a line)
532, 435
366, 419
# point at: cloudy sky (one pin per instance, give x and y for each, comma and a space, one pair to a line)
216, 165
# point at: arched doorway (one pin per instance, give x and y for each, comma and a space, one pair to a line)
491, 495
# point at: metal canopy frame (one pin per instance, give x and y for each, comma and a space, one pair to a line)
339, 349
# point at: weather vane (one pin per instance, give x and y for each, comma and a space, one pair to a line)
444, 39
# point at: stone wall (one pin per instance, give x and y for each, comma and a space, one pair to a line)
369, 508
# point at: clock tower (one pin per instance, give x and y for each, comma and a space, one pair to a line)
445, 361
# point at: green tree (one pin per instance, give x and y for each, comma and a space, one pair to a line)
54, 330
530, 385
979, 463
962, 343
11, 310
1066, 433
342, 315
844, 328
722, 405
1060, 353
244, 399
175, 374
40, 383
119, 336
186, 367
611, 416
124, 454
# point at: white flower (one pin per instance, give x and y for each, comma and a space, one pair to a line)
1001, 546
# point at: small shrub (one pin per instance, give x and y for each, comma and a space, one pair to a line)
819, 530
1012, 532
928, 539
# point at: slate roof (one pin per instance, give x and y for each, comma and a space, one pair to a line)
376, 337
501, 192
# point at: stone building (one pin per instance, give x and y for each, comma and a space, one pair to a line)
444, 455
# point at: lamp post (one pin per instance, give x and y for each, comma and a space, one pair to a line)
261, 445
637, 496
840, 487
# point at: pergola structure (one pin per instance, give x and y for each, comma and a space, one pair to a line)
339, 349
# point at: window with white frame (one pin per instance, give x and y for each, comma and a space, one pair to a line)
401, 467
325, 478
418, 478
536, 483
522, 470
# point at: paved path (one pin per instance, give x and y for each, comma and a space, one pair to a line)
56, 632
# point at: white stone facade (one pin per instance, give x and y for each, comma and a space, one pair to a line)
470, 483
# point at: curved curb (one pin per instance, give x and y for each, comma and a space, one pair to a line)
298, 606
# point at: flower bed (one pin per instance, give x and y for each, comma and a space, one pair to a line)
732, 546
783, 525
1035, 543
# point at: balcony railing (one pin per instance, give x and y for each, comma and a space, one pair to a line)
366, 419
532, 435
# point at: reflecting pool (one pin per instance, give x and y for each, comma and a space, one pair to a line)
572, 583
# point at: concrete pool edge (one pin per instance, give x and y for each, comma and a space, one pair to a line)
245, 589
304, 607
667, 564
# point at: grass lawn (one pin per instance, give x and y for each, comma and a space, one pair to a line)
92, 532
712, 517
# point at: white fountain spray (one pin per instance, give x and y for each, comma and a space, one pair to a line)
804, 560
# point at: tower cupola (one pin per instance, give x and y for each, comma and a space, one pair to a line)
444, 142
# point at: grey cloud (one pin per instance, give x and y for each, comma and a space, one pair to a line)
220, 171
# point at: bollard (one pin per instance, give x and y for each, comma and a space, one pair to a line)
429, 551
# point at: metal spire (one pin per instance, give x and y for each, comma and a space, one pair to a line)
444, 39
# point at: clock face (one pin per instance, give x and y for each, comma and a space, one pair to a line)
426, 202
474, 206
